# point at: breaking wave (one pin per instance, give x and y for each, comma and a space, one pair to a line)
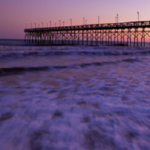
16, 70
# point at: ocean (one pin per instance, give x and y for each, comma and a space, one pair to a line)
74, 97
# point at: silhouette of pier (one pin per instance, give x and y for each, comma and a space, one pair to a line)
123, 34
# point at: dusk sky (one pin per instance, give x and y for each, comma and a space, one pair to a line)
15, 14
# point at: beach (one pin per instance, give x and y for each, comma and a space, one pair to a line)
74, 98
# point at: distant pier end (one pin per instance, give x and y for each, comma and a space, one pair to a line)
123, 34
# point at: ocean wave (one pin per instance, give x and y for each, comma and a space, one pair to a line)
65, 53
17, 70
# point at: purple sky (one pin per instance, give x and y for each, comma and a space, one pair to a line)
15, 14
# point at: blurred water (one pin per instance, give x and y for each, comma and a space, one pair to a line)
74, 98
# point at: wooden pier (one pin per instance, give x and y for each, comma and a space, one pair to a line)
123, 34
